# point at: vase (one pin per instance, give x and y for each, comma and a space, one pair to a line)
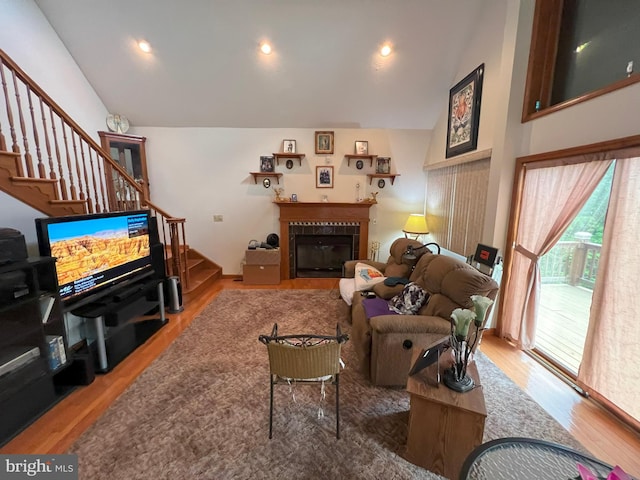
456, 377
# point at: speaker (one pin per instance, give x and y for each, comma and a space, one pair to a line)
158, 260
154, 234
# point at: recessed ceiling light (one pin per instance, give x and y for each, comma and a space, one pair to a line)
385, 50
265, 48
144, 46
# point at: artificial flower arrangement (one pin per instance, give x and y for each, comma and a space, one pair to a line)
463, 342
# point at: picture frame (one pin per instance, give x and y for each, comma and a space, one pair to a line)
362, 147
464, 113
324, 142
289, 146
267, 164
324, 176
383, 165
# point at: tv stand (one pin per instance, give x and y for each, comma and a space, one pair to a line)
118, 328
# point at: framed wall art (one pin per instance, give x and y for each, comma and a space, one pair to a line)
324, 142
383, 165
267, 164
362, 147
289, 146
464, 113
324, 177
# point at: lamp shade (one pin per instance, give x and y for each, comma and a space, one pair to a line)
416, 224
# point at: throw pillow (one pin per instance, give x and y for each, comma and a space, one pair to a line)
410, 300
367, 276
347, 287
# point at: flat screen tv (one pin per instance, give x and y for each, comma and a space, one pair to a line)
95, 252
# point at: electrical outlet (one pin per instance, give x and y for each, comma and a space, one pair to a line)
217, 218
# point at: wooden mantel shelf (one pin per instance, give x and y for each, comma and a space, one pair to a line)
298, 156
356, 212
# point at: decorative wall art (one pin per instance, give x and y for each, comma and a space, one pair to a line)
324, 142
464, 113
289, 146
383, 165
267, 164
362, 147
324, 177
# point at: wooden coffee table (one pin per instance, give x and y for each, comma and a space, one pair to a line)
444, 425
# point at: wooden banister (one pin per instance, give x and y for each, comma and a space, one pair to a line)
78, 167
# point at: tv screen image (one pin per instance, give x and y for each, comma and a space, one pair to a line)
95, 251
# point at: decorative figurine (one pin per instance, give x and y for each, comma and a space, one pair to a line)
278, 191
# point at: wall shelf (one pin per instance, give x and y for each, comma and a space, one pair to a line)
257, 175
392, 176
297, 156
355, 156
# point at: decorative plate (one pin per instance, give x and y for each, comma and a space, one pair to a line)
289, 164
359, 164
381, 183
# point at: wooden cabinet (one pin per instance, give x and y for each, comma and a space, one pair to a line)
444, 425
129, 152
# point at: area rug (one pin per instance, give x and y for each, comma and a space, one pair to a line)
200, 411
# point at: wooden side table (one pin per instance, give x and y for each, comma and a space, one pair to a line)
444, 425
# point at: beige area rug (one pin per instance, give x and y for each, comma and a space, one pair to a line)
200, 411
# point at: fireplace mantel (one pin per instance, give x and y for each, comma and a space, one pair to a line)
321, 212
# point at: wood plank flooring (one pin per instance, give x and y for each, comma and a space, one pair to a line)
600, 432
562, 323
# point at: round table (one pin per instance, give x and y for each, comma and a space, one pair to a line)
527, 458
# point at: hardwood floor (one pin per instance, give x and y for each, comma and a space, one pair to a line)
600, 432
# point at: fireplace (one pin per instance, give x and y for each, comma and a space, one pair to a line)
337, 226
321, 256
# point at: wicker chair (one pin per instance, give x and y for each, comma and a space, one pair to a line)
304, 359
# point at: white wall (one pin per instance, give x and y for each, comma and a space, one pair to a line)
27, 37
196, 173
485, 46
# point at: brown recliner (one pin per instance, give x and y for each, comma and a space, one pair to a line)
384, 344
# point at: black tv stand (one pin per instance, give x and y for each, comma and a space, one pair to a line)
115, 320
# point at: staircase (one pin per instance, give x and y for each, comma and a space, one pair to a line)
50, 163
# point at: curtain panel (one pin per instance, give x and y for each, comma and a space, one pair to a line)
551, 199
612, 347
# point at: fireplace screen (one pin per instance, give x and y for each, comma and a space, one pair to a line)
322, 255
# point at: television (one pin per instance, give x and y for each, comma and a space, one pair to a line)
96, 253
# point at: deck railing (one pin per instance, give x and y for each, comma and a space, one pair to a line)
574, 263
53, 148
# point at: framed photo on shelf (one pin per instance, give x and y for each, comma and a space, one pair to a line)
267, 164
324, 142
464, 113
362, 147
324, 177
289, 146
383, 165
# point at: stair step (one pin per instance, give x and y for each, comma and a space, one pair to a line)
200, 280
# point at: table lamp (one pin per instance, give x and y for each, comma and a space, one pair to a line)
416, 225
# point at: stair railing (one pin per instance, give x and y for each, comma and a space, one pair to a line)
52, 147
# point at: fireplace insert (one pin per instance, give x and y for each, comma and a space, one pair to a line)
321, 256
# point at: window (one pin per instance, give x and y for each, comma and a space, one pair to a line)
580, 49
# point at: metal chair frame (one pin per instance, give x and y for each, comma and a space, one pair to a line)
304, 358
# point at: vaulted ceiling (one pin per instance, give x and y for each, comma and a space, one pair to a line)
206, 70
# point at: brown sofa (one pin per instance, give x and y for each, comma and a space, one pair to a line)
384, 344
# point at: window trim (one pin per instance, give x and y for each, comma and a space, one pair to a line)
547, 18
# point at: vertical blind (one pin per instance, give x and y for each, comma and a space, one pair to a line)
456, 201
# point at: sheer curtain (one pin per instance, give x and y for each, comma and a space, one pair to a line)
551, 198
612, 348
